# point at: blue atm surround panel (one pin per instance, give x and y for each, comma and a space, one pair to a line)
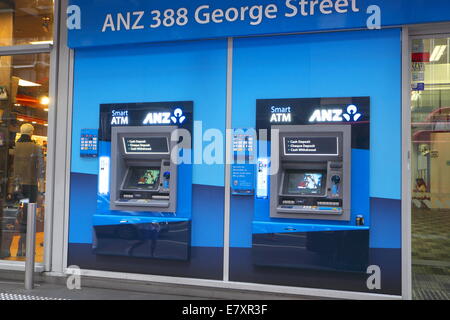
320, 241
142, 237
325, 247
143, 234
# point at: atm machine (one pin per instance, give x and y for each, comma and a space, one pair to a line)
142, 170
144, 201
311, 223
314, 176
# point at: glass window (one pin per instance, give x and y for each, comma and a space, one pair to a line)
430, 110
26, 22
24, 87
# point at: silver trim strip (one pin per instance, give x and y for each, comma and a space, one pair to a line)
320, 293
26, 49
51, 141
228, 155
406, 168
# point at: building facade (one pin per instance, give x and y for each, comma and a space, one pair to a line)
293, 147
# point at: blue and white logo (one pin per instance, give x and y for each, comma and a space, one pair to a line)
165, 117
336, 115
352, 113
178, 116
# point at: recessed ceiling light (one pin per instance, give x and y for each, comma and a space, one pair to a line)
415, 95
44, 101
438, 53
25, 83
42, 42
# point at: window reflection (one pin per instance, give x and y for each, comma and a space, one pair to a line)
26, 22
430, 164
24, 103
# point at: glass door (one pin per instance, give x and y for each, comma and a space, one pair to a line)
430, 117
24, 101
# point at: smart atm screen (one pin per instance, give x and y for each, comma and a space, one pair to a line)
149, 145
304, 183
142, 178
314, 146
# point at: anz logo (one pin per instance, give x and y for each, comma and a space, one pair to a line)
336, 115
177, 117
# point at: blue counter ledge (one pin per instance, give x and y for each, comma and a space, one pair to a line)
262, 227
104, 220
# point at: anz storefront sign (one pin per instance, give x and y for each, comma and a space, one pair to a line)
292, 114
140, 117
112, 22
310, 111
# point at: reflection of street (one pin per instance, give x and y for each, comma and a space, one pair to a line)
13, 234
150, 177
150, 232
14, 247
430, 163
308, 183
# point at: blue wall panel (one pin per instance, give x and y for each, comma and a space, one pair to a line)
386, 229
83, 204
345, 64
298, 66
150, 73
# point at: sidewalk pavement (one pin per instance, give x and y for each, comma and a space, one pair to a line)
15, 290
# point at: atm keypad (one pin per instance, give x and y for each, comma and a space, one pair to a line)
326, 203
313, 208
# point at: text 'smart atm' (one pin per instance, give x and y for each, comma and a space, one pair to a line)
144, 191
315, 213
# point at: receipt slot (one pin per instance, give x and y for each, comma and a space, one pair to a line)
143, 177
314, 176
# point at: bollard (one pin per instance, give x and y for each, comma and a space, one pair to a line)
30, 246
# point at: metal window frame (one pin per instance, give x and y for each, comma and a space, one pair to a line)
26, 49
406, 168
228, 157
430, 30
426, 31
52, 50
62, 159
